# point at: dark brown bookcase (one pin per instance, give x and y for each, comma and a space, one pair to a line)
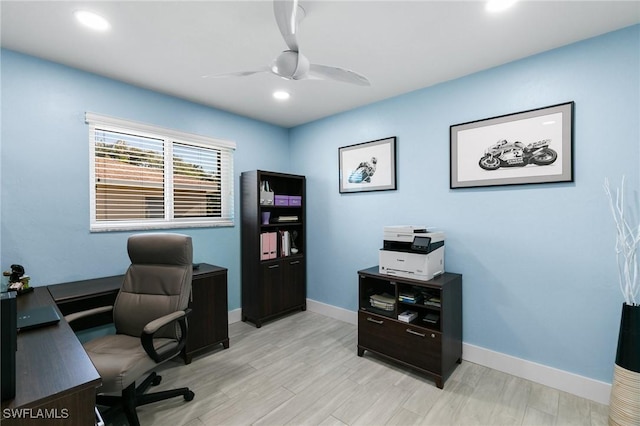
276, 284
432, 341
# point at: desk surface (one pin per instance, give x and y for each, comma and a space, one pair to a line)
52, 367
95, 287
50, 361
85, 289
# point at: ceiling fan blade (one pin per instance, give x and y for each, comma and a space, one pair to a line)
238, 74
286, 13
338, 74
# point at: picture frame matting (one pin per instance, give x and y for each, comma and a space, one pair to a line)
534, 146
367, 166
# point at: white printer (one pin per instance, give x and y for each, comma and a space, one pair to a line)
412, 252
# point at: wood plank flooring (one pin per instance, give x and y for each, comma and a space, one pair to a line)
303, 370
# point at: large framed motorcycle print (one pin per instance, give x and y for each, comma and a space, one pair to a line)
534, 146
368, 166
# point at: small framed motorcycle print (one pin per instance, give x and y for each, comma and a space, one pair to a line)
368, 166
534, 146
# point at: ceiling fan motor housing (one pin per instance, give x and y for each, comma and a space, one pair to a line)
290, 65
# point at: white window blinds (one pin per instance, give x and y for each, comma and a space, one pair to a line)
145, 177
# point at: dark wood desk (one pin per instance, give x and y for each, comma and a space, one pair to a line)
78, 296
209, 320
55, 379
208, 323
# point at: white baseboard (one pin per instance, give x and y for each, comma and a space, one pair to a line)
317, 307
235, 316
332, 311
581, 386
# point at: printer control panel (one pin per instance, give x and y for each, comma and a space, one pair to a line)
421, 244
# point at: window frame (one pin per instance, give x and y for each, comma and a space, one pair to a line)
168, 137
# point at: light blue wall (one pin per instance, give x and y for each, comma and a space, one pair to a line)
539, 272
45, 169
538, 264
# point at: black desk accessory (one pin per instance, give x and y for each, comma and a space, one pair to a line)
8, 336
37, 317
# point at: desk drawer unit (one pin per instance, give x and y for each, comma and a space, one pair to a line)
401, 341
432, 342
208, 324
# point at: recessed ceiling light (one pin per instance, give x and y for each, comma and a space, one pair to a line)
281, 95
91, 20
499, 5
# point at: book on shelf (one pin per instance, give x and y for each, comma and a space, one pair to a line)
264, 246
285, 244
410, 297
431, 318
407, 316
268, 245
383, 301
281, 219
276, 244
433, 301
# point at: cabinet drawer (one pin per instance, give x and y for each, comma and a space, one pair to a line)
413, 345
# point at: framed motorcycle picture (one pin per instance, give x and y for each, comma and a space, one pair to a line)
368, 166
534, 146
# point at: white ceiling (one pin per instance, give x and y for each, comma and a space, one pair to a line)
400, 46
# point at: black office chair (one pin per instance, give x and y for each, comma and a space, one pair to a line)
149, 315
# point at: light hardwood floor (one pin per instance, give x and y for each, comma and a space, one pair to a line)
303, 370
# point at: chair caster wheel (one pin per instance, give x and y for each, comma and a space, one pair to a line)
189, 396
156, 381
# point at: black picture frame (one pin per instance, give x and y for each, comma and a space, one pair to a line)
534, 146
367, 166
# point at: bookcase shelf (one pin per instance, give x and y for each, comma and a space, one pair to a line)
273, 282
281, 225
432, 341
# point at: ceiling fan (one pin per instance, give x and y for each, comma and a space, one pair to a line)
292, 64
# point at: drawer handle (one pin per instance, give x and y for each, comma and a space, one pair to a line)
415, 333
274, 266
295, 262
374, 321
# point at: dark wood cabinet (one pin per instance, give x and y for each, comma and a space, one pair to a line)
273, 245
209, 320
272, 288
54, 375
293, 274
431, 342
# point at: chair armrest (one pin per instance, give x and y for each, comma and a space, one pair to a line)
154, 325
151, 328
89, 312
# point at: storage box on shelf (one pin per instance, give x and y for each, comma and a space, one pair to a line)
273, 245
285, 200
429, 341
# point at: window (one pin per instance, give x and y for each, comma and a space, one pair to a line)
145, 177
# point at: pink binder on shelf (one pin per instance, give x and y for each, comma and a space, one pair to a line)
264, 246
273, 245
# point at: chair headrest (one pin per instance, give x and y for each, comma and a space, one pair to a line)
160, 249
